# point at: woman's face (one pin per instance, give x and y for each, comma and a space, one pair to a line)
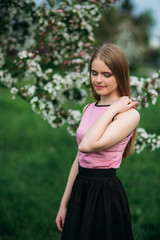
102, 80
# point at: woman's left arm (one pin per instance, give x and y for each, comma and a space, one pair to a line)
104, 133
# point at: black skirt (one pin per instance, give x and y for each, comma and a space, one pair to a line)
98, 207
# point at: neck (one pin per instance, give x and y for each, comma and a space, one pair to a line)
108, 100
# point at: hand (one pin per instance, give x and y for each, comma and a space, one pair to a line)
123, 104
61, 217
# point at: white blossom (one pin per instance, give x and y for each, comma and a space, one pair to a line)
48, 71
31, 90
14, 90
22, 54
33, 100
2, 58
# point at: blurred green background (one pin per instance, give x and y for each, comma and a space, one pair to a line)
35, 162
35, 159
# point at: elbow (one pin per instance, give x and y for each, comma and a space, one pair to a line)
87, 148
98, 146
84, 148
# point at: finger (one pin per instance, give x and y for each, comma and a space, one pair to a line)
136, 103
133, 104
59, 225
130, 100
63, 222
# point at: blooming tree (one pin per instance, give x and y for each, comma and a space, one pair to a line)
18, 25
53, 70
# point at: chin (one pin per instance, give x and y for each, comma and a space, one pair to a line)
101, 93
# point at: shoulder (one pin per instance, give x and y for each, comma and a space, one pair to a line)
85, 107
131, 115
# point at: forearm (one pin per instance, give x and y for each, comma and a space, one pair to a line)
97, 129
71, 178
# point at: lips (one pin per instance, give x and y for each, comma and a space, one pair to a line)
99, 87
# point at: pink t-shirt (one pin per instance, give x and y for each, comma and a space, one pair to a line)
108, 158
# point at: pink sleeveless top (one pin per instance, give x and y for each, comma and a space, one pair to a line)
108, 158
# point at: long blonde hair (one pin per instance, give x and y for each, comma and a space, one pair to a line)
116, 60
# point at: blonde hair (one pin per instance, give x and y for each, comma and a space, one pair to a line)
116, 60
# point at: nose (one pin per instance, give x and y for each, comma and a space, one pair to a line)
98, 80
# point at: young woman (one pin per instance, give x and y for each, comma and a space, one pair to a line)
94, 205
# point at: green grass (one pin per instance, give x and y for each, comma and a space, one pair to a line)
35, 160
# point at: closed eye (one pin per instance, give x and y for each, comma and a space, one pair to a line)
107, 75
94, 73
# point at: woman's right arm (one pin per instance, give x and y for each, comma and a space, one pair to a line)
66, 196
64, 202
71, 178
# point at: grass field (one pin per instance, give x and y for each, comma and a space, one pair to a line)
35, 160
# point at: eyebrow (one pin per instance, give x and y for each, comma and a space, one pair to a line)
102, 72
